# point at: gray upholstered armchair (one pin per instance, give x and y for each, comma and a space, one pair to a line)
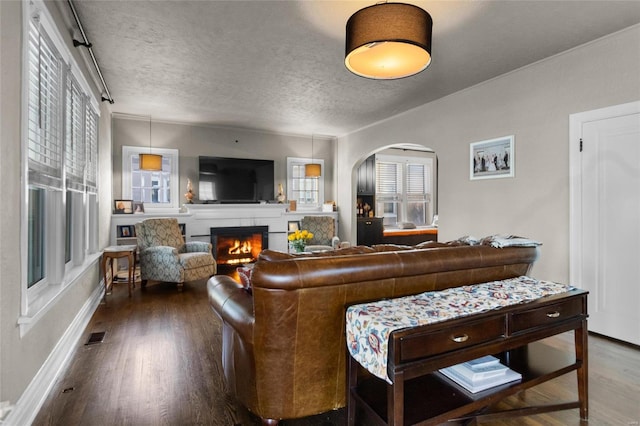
324, 233
164, 255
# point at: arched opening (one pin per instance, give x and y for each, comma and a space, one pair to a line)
396, 195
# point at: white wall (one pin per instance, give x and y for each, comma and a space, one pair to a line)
195, 140
21, 358
533, 104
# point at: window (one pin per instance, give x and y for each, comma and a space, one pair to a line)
61, 123
308, 193
154, 189
36, 231
403, 189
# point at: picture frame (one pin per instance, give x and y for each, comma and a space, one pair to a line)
294, 225
123, 206
126, 231
138, 207
492, 158
183, 229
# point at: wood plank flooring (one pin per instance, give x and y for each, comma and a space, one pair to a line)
159, 364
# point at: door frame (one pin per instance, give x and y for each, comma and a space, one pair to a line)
576, 122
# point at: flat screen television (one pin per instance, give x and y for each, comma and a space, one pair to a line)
235, 180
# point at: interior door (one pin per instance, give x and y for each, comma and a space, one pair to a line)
610, 224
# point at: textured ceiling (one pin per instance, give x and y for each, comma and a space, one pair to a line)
278, 65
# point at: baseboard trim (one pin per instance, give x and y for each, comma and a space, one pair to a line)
25, 410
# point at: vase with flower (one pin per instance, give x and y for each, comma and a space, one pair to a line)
298, 240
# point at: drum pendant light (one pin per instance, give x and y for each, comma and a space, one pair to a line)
150, 162
312, 170
388, 41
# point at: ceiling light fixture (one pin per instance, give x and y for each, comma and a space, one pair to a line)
388, 41
312, 170
150, 162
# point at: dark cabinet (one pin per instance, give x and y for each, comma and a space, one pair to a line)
369, 231
367, 177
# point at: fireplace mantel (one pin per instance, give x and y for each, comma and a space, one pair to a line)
199, 218
221, 211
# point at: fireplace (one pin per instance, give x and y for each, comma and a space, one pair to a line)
237, 245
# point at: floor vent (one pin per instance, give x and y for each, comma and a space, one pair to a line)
95, 338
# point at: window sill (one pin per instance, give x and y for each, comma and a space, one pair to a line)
48, 298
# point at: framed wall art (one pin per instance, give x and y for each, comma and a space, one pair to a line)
493, 158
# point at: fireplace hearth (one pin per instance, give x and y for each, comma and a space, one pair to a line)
238, 245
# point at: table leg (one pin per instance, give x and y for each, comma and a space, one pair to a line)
395, 400
104, 272
581, 346
352, 383
131, 270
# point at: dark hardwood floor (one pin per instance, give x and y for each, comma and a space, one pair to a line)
159, 364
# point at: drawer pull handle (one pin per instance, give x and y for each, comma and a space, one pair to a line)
460, 339
554, 314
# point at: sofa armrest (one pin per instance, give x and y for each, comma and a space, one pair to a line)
233, 304
197, 246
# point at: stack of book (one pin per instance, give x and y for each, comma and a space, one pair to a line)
481, 374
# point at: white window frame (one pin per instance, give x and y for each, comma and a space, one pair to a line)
403, 197
297, 162
42, 295
174, 156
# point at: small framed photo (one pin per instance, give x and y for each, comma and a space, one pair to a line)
123, 206
493, 158
294, 225
126, 231
138, 207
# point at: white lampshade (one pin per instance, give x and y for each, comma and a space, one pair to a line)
388, 41
150, 162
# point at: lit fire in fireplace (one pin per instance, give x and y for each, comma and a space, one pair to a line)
240, 248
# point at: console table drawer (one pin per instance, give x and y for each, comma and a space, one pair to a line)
416, 345
546, 315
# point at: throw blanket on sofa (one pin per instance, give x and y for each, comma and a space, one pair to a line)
369, 325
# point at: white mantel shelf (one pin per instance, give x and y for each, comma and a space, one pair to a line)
200, 218
235, 210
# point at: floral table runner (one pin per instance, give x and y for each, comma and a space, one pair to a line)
369, 325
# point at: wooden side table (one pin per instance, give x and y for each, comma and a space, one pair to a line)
117, 252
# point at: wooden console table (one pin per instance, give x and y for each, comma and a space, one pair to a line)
419, 394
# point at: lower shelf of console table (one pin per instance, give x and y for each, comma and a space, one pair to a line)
420, 395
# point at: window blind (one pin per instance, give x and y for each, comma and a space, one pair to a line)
388, 179
415, 179
74, 135
91, 159
44, 129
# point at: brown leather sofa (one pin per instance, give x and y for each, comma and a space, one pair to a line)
284, 350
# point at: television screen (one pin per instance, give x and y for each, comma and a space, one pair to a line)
235, 180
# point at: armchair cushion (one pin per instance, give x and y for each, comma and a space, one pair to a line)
193, 260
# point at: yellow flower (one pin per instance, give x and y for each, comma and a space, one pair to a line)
300, 235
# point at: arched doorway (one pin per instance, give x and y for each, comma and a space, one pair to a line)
396, 193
